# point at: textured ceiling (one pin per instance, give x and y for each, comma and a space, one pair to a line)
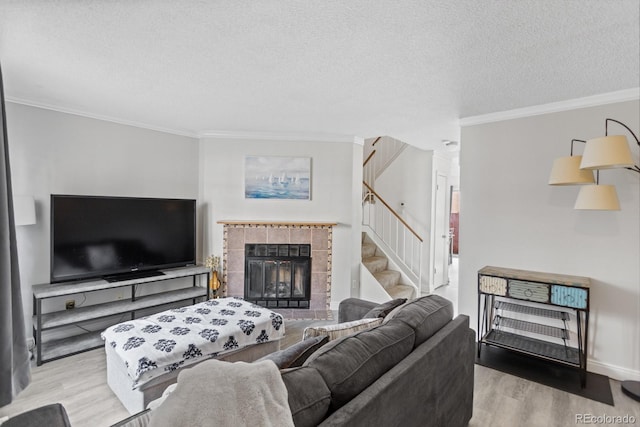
408, 69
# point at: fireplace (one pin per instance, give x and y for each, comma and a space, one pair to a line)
278, 275
238, 233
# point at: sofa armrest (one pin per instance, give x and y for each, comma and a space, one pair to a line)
354, 309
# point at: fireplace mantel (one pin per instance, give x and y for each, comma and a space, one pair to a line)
292, 223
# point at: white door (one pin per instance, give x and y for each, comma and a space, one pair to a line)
440, 234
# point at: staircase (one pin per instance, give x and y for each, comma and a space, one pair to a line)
377, 263
391, 249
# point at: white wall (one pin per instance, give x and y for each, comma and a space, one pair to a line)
408, 180
510, 217
332, 189
406, 186
53, 152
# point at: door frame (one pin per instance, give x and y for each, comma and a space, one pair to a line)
438, 243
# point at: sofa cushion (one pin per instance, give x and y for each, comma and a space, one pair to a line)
385, 308
296, 354
340, 330
350, 364
425, 315
309, 396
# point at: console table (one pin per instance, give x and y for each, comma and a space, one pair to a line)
50, 349
505, 294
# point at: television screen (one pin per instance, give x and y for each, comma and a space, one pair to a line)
94, 236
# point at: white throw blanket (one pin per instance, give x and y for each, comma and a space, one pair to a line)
216, 393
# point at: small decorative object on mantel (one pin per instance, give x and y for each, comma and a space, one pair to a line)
213, 262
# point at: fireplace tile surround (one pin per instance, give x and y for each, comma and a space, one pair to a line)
319, 235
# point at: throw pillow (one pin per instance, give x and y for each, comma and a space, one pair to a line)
309, 396
296, 354
341, 329
385, 308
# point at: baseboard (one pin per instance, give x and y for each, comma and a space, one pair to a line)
614, 372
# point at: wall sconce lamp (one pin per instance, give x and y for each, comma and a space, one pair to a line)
599, 153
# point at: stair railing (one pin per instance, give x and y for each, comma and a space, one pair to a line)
380, 154
368, 173
394, 232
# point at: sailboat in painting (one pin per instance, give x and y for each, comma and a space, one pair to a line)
284, 181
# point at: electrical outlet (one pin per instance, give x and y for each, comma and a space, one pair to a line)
70, 304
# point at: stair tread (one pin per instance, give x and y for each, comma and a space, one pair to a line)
375, 264
373, 258
387, 278
401, 291
387, 273
368, 249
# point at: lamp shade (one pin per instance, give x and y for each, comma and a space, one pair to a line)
24, 210
606, 153
566, 171
598, 197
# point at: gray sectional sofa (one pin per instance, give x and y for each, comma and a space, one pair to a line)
422, 360
414, 369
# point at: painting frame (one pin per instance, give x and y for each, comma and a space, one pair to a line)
277, 177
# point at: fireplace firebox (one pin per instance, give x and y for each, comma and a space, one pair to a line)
278, 275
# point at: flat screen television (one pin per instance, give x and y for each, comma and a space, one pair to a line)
117, 238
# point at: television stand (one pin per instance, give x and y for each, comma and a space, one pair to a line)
132, 275
49, 345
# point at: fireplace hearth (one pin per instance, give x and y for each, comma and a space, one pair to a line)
278, 275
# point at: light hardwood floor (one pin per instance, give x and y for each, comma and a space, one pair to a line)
79, 383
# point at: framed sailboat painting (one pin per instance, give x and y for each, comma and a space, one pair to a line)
277, 177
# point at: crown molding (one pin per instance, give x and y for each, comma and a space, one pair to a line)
279, 136
266, 136
554, 107
117, 120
